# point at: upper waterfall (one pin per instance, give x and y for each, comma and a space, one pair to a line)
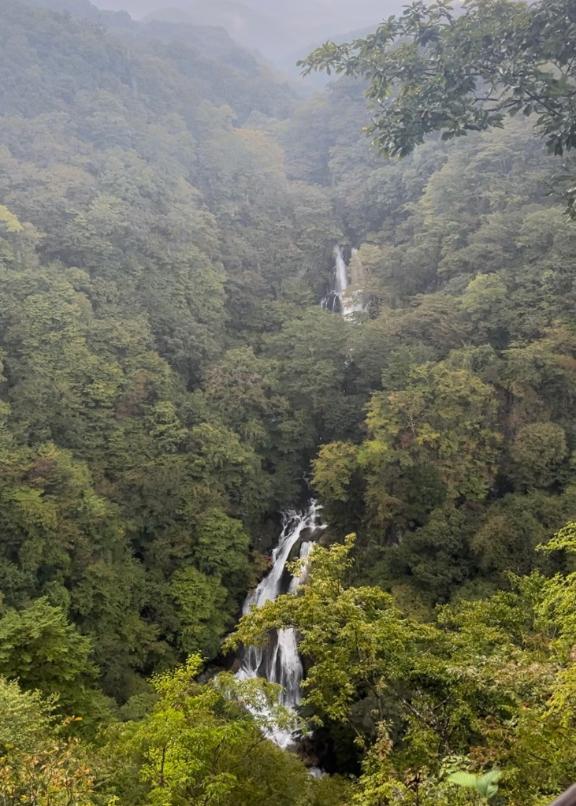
349, 302
341, 273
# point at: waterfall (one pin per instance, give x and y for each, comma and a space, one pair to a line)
279, 662
341, 274
349, 302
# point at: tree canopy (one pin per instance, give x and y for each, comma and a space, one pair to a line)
436, 68
170, 382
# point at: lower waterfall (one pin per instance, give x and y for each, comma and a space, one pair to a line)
279, 661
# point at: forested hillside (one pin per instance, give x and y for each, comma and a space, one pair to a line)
170, 383
149, 247
467, 358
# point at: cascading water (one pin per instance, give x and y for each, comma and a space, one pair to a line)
341, 275
279, 662
341, 298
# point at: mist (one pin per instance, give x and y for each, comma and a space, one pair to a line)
280, 32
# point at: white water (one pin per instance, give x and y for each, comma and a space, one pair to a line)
341, 269
279, 662
349, 302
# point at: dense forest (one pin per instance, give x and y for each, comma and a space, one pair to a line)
170, 382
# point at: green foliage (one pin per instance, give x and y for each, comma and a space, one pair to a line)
445, 418
169, 381
425, 699
538, 451
353, 635
486, 785
333, 470
466, 364
201, 613
433, 69
45, 630
40, 648
9, 221
145, 258
38, 764
200, 745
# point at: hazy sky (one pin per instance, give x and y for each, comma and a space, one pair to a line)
347, 12
274, 27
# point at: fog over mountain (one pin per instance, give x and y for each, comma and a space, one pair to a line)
281, 32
